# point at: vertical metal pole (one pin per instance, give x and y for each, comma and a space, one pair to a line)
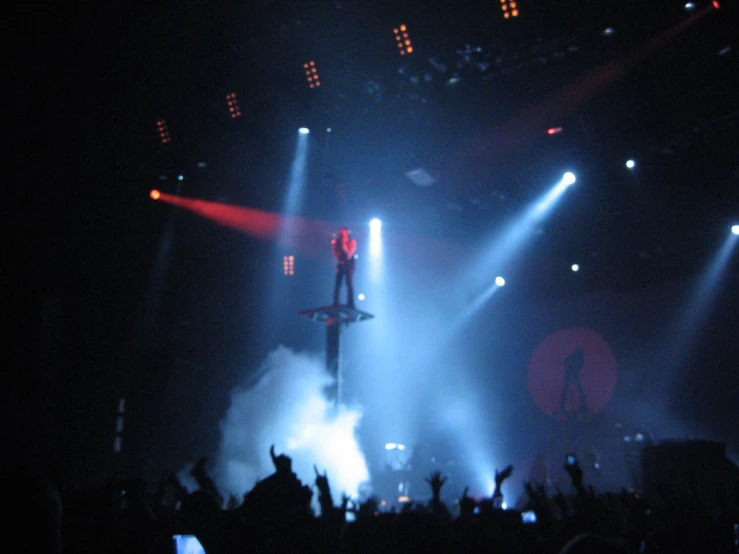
333, 358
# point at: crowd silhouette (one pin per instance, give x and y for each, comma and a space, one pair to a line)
282, 514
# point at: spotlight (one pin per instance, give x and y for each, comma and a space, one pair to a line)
375, 224
575, 267
689, 6
568, 178
630, 164
155, 195
499, 281
304, 130
735, 229
361, 296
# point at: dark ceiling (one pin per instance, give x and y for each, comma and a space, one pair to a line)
470, 106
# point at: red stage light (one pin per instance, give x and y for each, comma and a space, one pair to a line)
554, 130
155, 194
715, 4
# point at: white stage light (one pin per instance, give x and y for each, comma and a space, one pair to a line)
361, 296
375, 245
630, 164
735, 229
499, 281
568, 178
575, 267
304, 130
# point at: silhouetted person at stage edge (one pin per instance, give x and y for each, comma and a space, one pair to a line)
344, 249
204, 481
280, 495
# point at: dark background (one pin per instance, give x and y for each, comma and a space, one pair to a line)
110, 294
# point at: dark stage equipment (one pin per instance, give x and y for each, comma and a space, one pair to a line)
687, 467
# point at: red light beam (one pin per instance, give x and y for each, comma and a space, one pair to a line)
528, 122
308, 234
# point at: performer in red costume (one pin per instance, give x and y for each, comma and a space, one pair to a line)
345, 249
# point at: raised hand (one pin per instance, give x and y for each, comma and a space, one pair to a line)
322, 482
466, 504
282, 463
436, 481
324, 493
501, 476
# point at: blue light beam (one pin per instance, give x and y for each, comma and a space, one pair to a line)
296, 186
512, 238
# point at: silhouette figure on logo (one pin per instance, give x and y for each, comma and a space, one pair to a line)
577, 406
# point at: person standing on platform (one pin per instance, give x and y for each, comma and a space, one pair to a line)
344, 249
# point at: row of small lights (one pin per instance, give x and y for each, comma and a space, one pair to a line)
509, 9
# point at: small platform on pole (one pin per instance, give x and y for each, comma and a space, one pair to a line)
334, 316
344, 314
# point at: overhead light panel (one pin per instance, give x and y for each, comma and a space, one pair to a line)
509, 8
311, 74
402, 40
233, 105
163, 131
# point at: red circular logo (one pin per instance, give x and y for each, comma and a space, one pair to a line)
572, 374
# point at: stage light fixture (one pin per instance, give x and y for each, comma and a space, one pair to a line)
155, 194
304, 130
288, 265
715, 4
689, 6
630, 164
402, 40
499, 281
361, 296
163, 131
311, 74
568, 178
554, 130
232, 103
575, 267
375, 224
509, 8
735, 229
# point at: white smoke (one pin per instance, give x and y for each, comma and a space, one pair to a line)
287, 408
